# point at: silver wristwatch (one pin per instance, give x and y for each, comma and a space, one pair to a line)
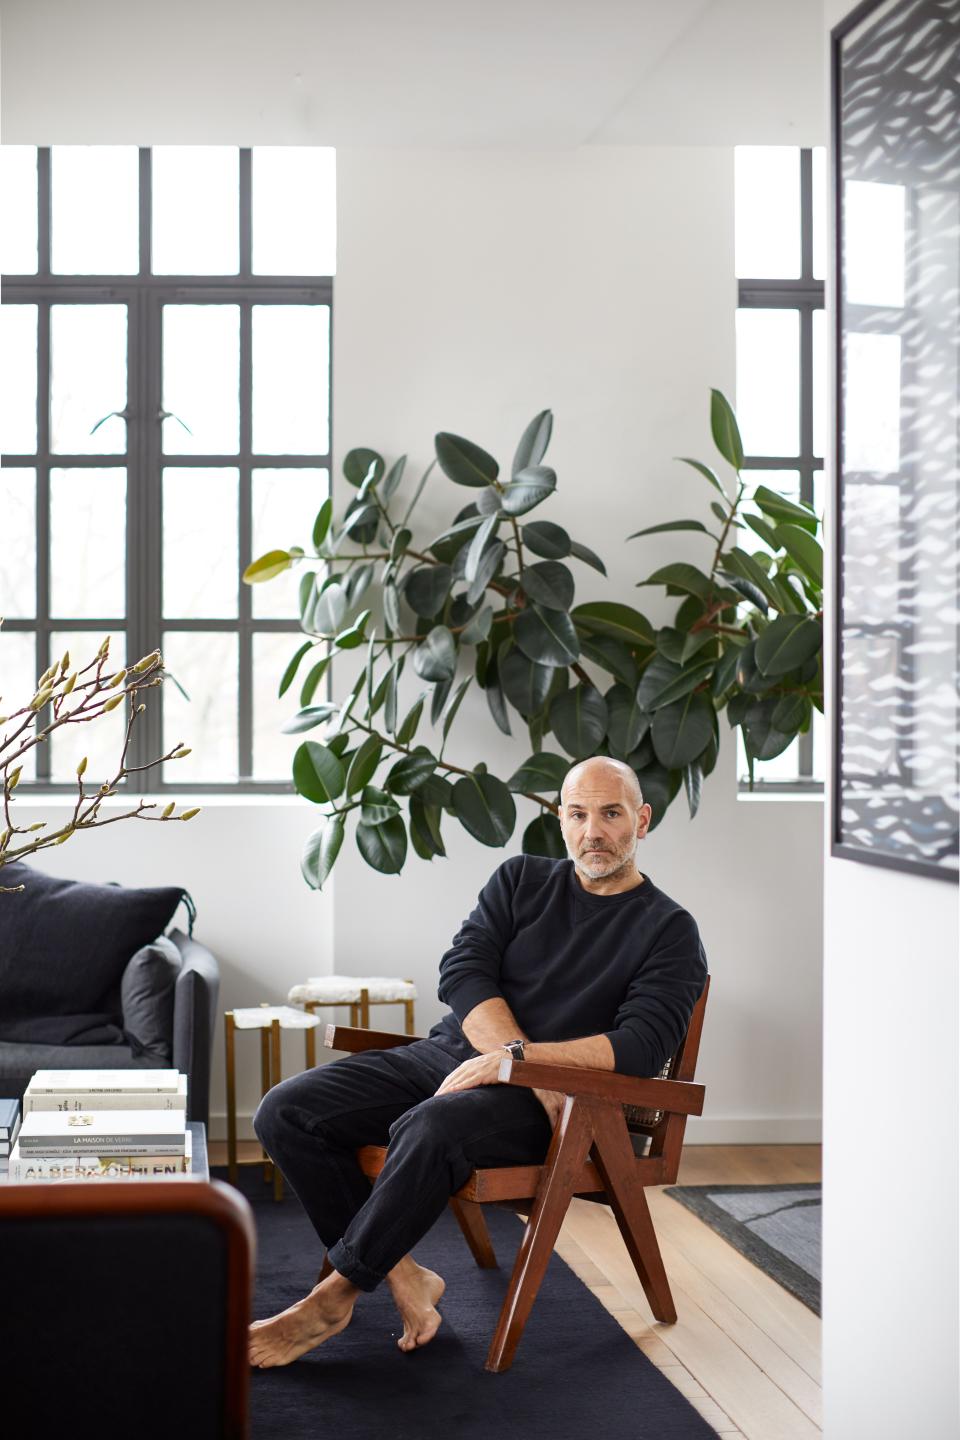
514, 1049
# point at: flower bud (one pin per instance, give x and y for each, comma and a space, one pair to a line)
168, 810
81, 767
112, 703
70, 683
189, 814
41, 698
179, 754
38, 825
140, 708
65, 662
118, 679
14, 778
46, 677
104, 647
146, 662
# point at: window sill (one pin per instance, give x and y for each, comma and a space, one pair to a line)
184, 800
765, 793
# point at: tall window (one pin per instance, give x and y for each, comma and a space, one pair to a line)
164, 418
781, 362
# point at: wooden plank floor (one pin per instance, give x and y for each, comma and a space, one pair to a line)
743, 1350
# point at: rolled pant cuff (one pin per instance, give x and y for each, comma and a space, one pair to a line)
344, 1261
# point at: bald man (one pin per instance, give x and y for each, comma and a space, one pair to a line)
565, 962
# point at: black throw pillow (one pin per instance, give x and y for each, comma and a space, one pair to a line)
64, 944
146, 993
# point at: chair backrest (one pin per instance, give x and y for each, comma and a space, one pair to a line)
127, 1299
666, 1130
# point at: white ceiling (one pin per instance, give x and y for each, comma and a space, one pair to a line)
413, 72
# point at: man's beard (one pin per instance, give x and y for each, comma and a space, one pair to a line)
601, 864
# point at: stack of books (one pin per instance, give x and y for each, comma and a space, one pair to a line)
9, 1126
102, 1124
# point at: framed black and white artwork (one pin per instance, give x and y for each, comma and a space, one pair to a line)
896, 175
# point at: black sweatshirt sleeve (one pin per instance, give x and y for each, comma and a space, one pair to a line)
656, 1011
470, 969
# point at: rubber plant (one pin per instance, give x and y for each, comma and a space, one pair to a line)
491, 602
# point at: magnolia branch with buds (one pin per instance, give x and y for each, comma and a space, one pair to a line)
91, 698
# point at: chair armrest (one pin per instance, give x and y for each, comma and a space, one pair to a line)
352, 1038
681, 1097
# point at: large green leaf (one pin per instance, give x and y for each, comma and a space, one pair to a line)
763, 529
495, 698
477, 546
441, 693
384, 847
627, 722
588, 556
656, 677
355, 636
363, 764
322, 523
425, 829
781, 510
578, 718
317, 773
787, 643
738, 562
693, 784
527, 489
611, 655
543, 836
547, 636
408, 728
696, 641
292, 667
533, 442
485, 808
267, 567
426, 589
550, 584
360, 522
546, 539
748, 677
682, 731
410, 773
314, 676
748, 590
725, 431
658, 790
802, 547
792, 714
525, 683
392, 479
488, 566
357, 464
761, 737
455, 704
330, 609
320, 852
463, 462
436, 657
478, 628
391, 607
681, 576
606, 617
682, 684
725, 673
377, 806
671, 525
308, 719
543, 774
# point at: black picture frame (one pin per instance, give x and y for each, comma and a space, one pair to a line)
896, 729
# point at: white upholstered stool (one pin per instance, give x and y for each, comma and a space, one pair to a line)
359, 992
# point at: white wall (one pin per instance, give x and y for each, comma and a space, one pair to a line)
891, 1119
474, 289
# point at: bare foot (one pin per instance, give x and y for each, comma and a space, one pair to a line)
416, 1293
320, 1315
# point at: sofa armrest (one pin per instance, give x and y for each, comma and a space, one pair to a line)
195, 1000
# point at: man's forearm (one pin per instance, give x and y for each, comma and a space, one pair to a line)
492, 1024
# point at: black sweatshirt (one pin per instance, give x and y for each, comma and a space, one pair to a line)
570, 964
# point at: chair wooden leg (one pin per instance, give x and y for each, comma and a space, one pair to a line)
568, 1150
470, 1219
613, 1157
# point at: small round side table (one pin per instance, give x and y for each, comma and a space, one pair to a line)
359, 992
269, 1020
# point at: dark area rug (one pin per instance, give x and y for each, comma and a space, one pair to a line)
576, 1373
777, 1227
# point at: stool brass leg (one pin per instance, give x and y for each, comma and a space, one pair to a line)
229, 1030
264, 1087
354, 1015
365, 1008
408, 1027
310, 1039
277, 1076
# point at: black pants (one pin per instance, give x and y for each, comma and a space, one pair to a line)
312, 1123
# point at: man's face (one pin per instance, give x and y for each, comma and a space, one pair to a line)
600, 822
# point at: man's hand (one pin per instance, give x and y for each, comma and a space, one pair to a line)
481, 1070
552, 1102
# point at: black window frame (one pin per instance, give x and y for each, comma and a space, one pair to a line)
145, 294
805, 295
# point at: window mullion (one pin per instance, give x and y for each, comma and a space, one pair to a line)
245, 520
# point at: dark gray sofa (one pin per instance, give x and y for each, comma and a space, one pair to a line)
196, 994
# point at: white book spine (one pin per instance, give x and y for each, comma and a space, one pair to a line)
27, 1168
101, 1100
